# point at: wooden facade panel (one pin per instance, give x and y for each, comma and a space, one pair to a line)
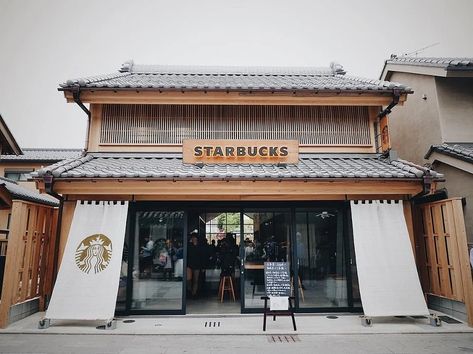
445, 269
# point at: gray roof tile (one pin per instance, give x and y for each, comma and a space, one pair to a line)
446, 63
462, 151
169, 166
22, 193
155, 77
43, 154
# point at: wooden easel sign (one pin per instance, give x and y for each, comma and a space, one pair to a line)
277, 282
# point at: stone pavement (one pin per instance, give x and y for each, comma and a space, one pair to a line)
442, 343
308, 324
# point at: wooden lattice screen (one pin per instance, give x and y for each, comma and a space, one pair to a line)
30, 255
170, 124
442, 252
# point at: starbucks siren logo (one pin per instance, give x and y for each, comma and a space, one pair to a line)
94, 253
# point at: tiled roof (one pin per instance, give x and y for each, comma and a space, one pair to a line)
22, 193
159, 77
37, 154
462, 151
170, 166
446, 63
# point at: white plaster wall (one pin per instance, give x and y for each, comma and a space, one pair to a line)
415, 126
455, 97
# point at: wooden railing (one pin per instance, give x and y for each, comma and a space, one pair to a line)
442, 252
29, 257
170, 124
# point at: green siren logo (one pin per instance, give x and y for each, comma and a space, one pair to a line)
94, 253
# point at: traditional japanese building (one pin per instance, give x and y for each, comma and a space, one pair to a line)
220, 169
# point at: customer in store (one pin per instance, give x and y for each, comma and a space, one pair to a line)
194, 264
146, 257
228, 257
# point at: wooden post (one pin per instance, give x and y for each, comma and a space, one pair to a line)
463, 258
67, 214
13, 260
47, 261
410, 224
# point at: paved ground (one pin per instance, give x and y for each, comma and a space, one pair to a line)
239, 325
136, 344
238, 334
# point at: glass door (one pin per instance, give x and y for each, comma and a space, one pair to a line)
321, 258
265, 238
152, 275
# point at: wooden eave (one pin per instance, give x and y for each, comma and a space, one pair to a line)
256, 97
5, 197
220, 189
8, 140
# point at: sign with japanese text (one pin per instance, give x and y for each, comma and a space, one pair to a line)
277, 279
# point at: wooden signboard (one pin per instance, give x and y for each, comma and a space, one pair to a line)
384, 133
240, 151
277, 280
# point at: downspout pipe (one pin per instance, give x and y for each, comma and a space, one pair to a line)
394, 102
76, 97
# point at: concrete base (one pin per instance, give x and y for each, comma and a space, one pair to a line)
449, 307
23, 310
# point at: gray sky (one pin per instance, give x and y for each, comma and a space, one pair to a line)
44, 43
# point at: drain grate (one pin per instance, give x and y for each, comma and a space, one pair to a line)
419, 317
128, 321
283, 338
332, 317
448, 319
210, 324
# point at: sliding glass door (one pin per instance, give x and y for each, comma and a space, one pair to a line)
321, 258
266, 237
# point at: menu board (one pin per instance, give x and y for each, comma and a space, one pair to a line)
277, 280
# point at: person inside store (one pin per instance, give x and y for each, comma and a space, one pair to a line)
228, 258
146, 257
194, 264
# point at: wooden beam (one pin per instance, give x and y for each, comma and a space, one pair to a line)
232, 98
238, 190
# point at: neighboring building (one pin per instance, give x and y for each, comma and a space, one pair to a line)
19, 167
268, 161
27, 242
435, 128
